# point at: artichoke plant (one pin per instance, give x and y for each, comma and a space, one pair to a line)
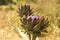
32, 23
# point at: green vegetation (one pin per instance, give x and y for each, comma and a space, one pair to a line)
5, 2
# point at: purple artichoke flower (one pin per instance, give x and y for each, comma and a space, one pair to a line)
33, 17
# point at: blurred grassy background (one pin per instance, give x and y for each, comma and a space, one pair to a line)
47, 8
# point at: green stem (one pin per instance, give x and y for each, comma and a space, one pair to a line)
33, 36
29, 37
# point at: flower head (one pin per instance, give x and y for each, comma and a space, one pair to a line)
24, 10
33, 17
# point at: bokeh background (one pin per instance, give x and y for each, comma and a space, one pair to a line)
9, 17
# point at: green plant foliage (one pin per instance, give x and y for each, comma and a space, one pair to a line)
5, 2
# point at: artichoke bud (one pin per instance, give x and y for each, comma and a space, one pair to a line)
24, 10
31, 21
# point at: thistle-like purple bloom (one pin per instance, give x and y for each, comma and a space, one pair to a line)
33, 17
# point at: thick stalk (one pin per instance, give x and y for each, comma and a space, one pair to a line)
33, 36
